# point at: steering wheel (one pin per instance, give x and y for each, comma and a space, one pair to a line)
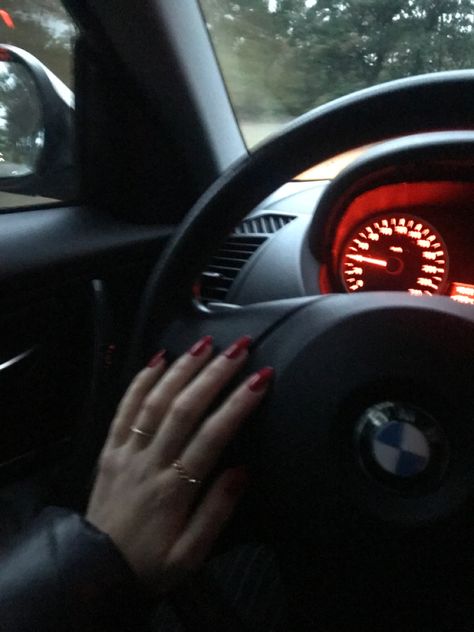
363, 452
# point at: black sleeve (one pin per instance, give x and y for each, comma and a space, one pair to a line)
65, 575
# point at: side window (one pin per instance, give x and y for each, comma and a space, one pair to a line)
36, 103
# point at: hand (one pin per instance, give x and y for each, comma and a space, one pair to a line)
147, 495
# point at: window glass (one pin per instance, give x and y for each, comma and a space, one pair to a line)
45, 30
281, 58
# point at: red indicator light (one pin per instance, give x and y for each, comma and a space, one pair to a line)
462, 292
7, 18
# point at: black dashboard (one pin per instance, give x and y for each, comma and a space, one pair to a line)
400, 217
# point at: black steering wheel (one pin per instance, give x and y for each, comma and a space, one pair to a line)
364, 451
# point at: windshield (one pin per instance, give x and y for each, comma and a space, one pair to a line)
280, 58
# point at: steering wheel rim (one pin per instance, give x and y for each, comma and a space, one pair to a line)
428, 102
168, 313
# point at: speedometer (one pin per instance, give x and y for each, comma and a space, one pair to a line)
395, 252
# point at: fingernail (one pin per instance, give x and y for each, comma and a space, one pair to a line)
260, 380
238, 481
200, 346
237, 347
156, 359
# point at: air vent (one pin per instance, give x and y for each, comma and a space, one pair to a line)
263, 224
226, 264
219, 275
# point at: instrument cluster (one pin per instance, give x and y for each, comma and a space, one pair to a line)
408, 236
399, 217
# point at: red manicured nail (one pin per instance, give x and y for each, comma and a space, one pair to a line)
259, 380
200, 346
237, 347
156, 359
238, 481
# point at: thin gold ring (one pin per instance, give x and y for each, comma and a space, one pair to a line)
140, 432
184, 475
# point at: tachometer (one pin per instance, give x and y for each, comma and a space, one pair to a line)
395, 252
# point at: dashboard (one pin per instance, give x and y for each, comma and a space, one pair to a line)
398, 218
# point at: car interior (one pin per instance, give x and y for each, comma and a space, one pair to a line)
159, 225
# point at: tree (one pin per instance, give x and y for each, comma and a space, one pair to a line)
44, 29
245, 34
284, 57
20, 116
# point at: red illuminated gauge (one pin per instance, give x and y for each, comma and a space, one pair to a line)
395, 252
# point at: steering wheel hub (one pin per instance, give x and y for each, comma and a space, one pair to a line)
401, 446
365, 407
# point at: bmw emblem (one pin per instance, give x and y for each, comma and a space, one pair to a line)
401, 445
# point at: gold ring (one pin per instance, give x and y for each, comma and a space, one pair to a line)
184, 475
140, 432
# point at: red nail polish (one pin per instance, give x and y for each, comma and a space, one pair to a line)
238, 481
259, 380
237, 347
200, 346
156, 359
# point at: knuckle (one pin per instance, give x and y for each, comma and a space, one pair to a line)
177, 373
109, 462
183, 364
239, 398
163, 496
209, 435
152, 406
134, 389
237, 406
218, 371
181, 407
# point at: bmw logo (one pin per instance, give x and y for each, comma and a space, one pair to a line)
401, 445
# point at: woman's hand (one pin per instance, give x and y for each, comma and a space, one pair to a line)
147, 495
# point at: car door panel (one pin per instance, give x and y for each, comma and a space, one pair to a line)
47, 351
70, 282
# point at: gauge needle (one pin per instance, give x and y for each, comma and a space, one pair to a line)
374, 262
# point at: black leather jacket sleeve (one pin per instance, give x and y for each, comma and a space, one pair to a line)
65, 575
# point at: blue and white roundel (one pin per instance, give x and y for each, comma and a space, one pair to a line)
401, 449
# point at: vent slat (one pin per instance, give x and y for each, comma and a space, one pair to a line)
231, 245
217, 277
264, 224
224, 270
235, 253
226, 264
247, 248
237, 262
213, 294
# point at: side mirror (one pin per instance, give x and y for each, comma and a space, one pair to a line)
36, 128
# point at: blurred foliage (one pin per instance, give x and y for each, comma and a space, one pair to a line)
44, 29
281, 58
21, 126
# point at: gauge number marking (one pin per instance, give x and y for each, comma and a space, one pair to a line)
395, 252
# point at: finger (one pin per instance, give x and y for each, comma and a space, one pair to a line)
158, 400
192, 403
204, 450
209, 519
133, 398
